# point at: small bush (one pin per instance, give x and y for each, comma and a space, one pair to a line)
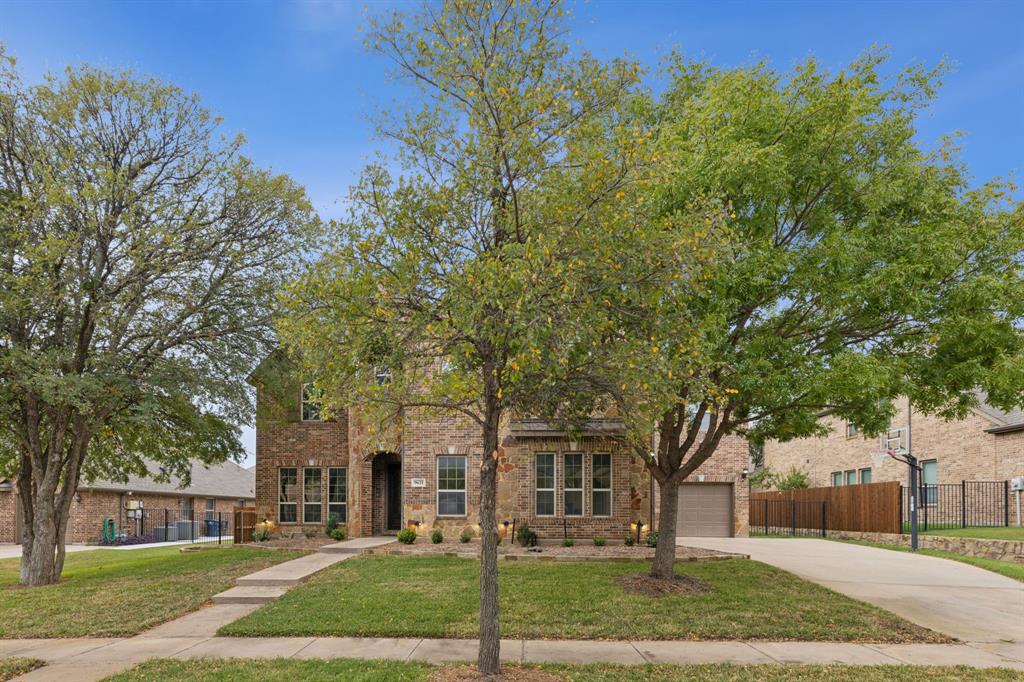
332, 523
599, 542
652, 539
309, 533
465, 537
261, 535
407, 536
629, 541
523, 534
437, 537
338, 534
568, 542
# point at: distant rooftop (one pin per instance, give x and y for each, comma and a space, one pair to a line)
227, 479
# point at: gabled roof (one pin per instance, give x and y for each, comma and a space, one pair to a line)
227, 479
1005, 421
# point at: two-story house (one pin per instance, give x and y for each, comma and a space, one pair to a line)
309, 468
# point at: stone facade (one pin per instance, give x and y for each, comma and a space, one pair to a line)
963, 450
422, 437
1003, 550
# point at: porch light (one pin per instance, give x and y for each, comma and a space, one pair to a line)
639, 527
744, 473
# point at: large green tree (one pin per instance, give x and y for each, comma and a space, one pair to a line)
851, 266
140, 258
461, 273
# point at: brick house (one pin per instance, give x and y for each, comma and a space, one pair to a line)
308, 468
987, 445
214, 489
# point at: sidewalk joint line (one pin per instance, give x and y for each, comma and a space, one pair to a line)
408, 656
307, 645
640, 653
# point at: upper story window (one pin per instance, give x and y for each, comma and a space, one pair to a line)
837, 478
382, 375
311, 411
851, 430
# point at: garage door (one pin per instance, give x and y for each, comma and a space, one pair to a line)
705, 510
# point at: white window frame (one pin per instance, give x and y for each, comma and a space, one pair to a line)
931, 490
554, 485
851, 430
465, 485
344, 495
839, 475
320, 503
850, 474
580, 490
314, 404
611, 480
382, 375
280, 490
860, 475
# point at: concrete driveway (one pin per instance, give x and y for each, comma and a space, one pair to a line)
962, 601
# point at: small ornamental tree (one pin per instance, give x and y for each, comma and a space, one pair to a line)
852, 267
459, 275
140, 258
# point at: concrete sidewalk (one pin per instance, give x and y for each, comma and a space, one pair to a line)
951, 597
87, 660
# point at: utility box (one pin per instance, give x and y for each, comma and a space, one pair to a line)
1017, 483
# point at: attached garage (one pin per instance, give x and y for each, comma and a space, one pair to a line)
705, 510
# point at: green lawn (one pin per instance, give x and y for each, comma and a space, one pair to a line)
1001, 533
288, 670
107, 592
439, 597
1008, 568
15, 667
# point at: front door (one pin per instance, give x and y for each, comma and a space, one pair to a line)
393, 495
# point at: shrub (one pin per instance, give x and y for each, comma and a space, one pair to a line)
568, 542
629, 541
599, 542
261, 534
437, 537
652, 539
339, 533
407, 536
332, 523
465, 537
523, 535
309, 533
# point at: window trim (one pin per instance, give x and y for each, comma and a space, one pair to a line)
554, 483
837, 479
581, 490
464, 491
303, 401
930, 490
280, 504
851, 430
847, 475
860, 475
344, 495
320, 481
611, 483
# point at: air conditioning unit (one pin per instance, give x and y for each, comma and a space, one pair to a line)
1017, 483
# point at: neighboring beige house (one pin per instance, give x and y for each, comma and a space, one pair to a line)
987, 445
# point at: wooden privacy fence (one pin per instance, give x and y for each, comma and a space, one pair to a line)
245, 524
867, 508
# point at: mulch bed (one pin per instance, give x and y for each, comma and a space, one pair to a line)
509, 673
297, 542
583, 550
646, 585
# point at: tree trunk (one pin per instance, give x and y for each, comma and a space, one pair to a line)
664, 562
490, 635
39, 544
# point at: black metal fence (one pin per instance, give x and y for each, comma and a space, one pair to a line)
968, 504
788, 517
144, 526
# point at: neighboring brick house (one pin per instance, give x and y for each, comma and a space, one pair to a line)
308, 469
215, 489
987, 445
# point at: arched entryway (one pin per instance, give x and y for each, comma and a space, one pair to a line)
387, 493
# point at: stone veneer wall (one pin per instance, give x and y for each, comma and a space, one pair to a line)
1004, 550
962, 449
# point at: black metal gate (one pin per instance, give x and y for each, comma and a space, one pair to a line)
968, 504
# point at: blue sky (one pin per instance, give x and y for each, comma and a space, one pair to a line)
295, 79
